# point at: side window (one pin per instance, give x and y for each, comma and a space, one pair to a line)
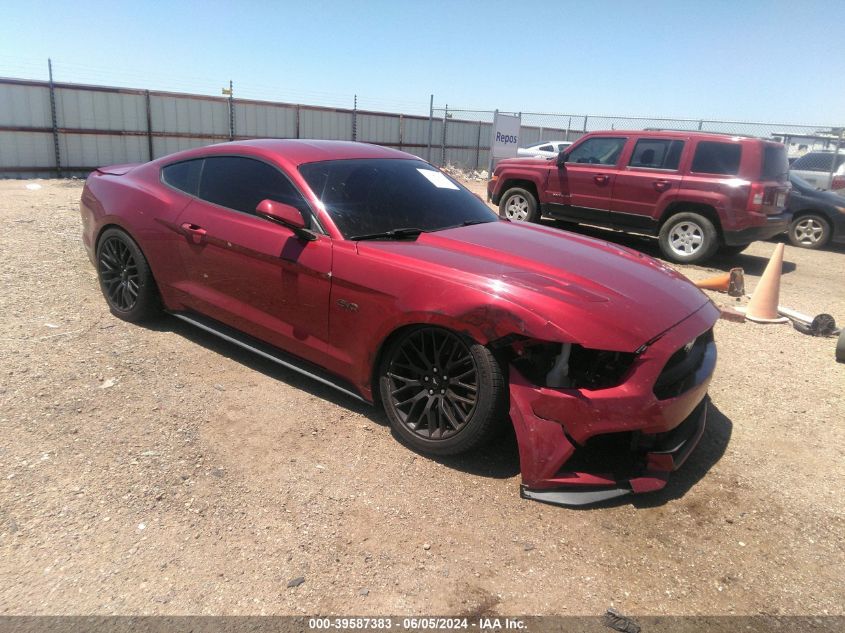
657, 153
241, 183
547, 148
712, 157
184, 176
562, 146
601, 150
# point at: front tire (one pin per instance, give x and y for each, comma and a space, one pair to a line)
809, 231
519, 205
688, 238
125, 278
443, 393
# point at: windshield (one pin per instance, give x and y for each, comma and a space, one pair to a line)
371, 196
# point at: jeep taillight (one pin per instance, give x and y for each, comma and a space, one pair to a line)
756, 196
838, 182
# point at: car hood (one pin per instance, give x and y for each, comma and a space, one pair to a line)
820, 195
599, 294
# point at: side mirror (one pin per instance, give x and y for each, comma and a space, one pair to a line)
287, 216
561, 158
282, 213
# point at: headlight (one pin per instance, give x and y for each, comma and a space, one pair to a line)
569, 365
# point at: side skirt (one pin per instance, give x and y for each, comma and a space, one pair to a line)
269, 352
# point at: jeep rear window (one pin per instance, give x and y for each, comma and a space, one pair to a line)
712, 157
775, 163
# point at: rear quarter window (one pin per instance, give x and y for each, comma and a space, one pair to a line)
184, 176
775, 163
713, 157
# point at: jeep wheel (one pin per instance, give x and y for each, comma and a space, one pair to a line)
688, 238
519, 205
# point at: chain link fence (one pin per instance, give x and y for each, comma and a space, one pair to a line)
462, 137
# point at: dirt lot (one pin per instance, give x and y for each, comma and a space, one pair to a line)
155, 470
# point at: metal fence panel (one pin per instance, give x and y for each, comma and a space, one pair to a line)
24, 106
374, 128
95, 150
416, 132
26, 149
191, 116
94, 110
102, 125
265, 121
163, 145
461, 133
325, 124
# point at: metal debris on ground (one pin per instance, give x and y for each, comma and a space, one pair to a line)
618, 622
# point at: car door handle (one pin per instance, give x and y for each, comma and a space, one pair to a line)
197, 233
661, 185
600, 179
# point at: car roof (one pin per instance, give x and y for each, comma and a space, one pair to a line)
293, 151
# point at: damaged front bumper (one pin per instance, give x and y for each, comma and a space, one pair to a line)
578, 446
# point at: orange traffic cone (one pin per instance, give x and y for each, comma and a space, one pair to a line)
763, 307
732, 282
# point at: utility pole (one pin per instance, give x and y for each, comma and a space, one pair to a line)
55, 119
835, 158
231, 93
430, 126
355, 119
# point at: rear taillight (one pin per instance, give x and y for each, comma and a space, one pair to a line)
756, 196
838, 182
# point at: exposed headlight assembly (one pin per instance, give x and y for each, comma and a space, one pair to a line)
569, 365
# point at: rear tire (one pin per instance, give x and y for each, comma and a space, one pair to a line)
809, 231
688, 238
519, 205
443, 393
125, 278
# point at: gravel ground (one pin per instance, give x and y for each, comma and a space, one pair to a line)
155, 470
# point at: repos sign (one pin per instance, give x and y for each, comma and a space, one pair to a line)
505, 141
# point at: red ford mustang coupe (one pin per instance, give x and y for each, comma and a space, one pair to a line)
373, 272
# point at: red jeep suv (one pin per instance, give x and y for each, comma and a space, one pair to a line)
698, 192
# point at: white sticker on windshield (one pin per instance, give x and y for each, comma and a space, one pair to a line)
437, 179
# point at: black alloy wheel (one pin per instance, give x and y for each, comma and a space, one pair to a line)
442, 392
125, 277
119, 274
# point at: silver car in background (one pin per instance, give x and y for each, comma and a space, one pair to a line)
814, 167
545, 149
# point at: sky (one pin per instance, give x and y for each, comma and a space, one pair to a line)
743, 60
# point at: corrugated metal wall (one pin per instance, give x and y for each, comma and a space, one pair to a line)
100, 125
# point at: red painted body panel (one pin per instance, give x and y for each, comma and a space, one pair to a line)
488, 281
